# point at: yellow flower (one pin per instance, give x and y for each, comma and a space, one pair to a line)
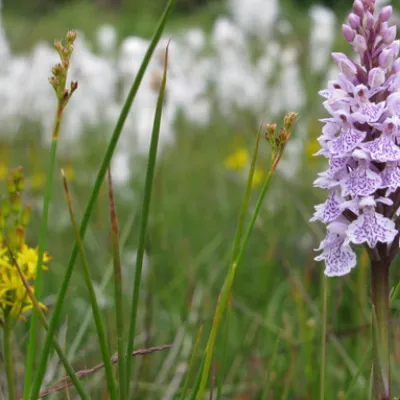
3, 171
14, 299
37, 181
238, 160
28, 258
311, 148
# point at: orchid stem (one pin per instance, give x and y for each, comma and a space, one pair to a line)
380, 300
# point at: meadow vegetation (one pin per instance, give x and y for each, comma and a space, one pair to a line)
224, 79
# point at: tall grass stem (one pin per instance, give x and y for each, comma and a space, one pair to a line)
227, 286
112, 389
144, 217
191, 362
236, 246
119, 307
96, 189
32, 342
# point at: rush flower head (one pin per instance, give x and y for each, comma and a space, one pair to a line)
361, 139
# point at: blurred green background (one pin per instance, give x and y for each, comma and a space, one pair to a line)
29, 21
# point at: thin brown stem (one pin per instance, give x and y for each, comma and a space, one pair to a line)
66, 381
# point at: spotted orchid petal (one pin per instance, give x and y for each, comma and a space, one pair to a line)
371, 227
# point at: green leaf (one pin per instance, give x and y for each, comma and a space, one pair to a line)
93, 197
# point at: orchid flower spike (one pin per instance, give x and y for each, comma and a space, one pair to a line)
361, 140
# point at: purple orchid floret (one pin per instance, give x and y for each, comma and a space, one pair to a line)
361, 140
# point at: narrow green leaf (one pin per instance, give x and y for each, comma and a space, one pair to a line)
95, 192
117, 290
84, 326
32, 342
278, 144
227, 287
236, 246
144, 217
93, 299
361, 366
245, 203
270, 368
196, 386
63, 94
191, 362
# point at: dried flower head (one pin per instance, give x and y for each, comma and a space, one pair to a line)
360, 139
60, 71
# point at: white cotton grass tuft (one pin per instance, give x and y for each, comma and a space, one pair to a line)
255, 17
323, 33
4, 48
107, 39
208, 75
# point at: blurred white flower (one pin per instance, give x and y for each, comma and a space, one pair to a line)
107, 39
207, 75
120, 168
322, 35
4, 48
255, 16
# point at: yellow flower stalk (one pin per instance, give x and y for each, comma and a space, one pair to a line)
14, 298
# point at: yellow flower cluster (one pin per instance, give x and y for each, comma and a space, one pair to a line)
240, 161
14, 299
14, 218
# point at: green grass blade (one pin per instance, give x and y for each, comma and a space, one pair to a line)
236, 246
196, 387
245, 204
272, 363
221, 376
144, 218
226, 289
278, 145
32, 343
92, 294
84, 326
354, 380
42, 319
96, 189
117, 290
58, 81
191, 362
